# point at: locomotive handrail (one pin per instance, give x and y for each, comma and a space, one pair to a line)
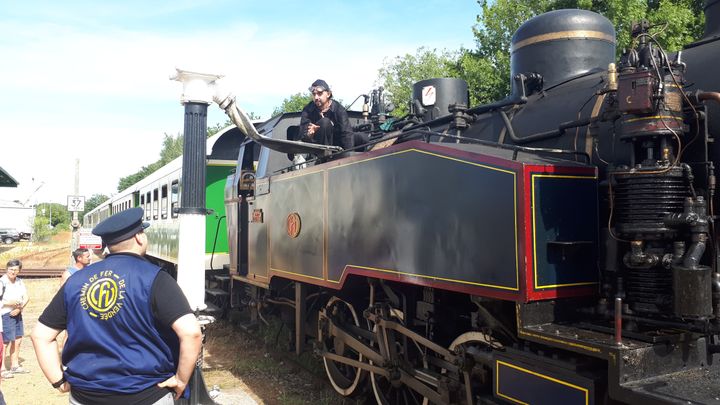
514, 148
426, 134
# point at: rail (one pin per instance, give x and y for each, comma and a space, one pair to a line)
38, 273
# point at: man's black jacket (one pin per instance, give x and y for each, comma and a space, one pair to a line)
342, 131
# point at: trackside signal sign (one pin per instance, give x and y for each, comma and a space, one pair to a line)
76, 203
88, 240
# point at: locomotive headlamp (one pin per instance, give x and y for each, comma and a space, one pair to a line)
197, 87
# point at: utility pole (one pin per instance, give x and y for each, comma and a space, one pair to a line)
75, 242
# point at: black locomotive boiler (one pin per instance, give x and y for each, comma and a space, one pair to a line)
557, 246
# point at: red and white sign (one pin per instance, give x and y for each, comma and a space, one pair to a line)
88, 240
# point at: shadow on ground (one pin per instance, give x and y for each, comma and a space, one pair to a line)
263, 362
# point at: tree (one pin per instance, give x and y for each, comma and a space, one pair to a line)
56, 215
41, 229
294, 103
397, 75
92, 202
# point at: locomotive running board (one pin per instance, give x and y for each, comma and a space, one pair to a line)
682, 370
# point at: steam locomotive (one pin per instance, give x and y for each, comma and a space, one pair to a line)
557, 246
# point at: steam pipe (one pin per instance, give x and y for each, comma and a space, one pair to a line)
694, 253
547, 134
482, 109
618, 321
709, 96
699, 95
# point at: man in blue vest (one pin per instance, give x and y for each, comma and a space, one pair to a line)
132, 336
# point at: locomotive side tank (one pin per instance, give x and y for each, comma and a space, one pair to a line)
557, 246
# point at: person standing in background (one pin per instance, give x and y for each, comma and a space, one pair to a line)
82, 260
2, 352
14, 300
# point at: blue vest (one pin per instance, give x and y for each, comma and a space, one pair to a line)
114, 344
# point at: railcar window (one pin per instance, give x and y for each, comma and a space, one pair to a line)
163, 202
147, 206
142, 203
174, 195
155, 206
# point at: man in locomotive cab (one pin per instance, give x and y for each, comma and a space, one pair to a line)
325, 121
132, 336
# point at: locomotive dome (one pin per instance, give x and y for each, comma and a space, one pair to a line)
712, 18
562, 44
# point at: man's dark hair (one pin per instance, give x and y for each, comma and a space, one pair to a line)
13, 263
78, 252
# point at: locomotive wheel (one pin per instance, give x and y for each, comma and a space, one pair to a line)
476, 379
344, 378
392, 390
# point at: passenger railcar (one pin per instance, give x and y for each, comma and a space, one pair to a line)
159, 195
557, 246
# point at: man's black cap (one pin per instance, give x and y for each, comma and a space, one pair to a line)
121, 226
318, 84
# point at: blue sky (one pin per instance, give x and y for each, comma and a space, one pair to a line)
90, 80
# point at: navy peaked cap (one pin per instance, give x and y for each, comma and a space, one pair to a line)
121, 226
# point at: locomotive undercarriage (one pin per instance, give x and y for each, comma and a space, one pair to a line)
399, 351
416, 345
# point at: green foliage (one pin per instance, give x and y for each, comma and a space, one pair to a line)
294, 103
485, 83
93, 202
398, 75
49, 218
145, 171
41, 229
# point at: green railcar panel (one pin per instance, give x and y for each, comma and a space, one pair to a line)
215, 178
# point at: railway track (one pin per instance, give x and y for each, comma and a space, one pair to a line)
38, 273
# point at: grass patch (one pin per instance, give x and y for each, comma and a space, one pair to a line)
275, 335
258, 364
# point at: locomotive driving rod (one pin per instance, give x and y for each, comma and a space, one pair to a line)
383, 362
